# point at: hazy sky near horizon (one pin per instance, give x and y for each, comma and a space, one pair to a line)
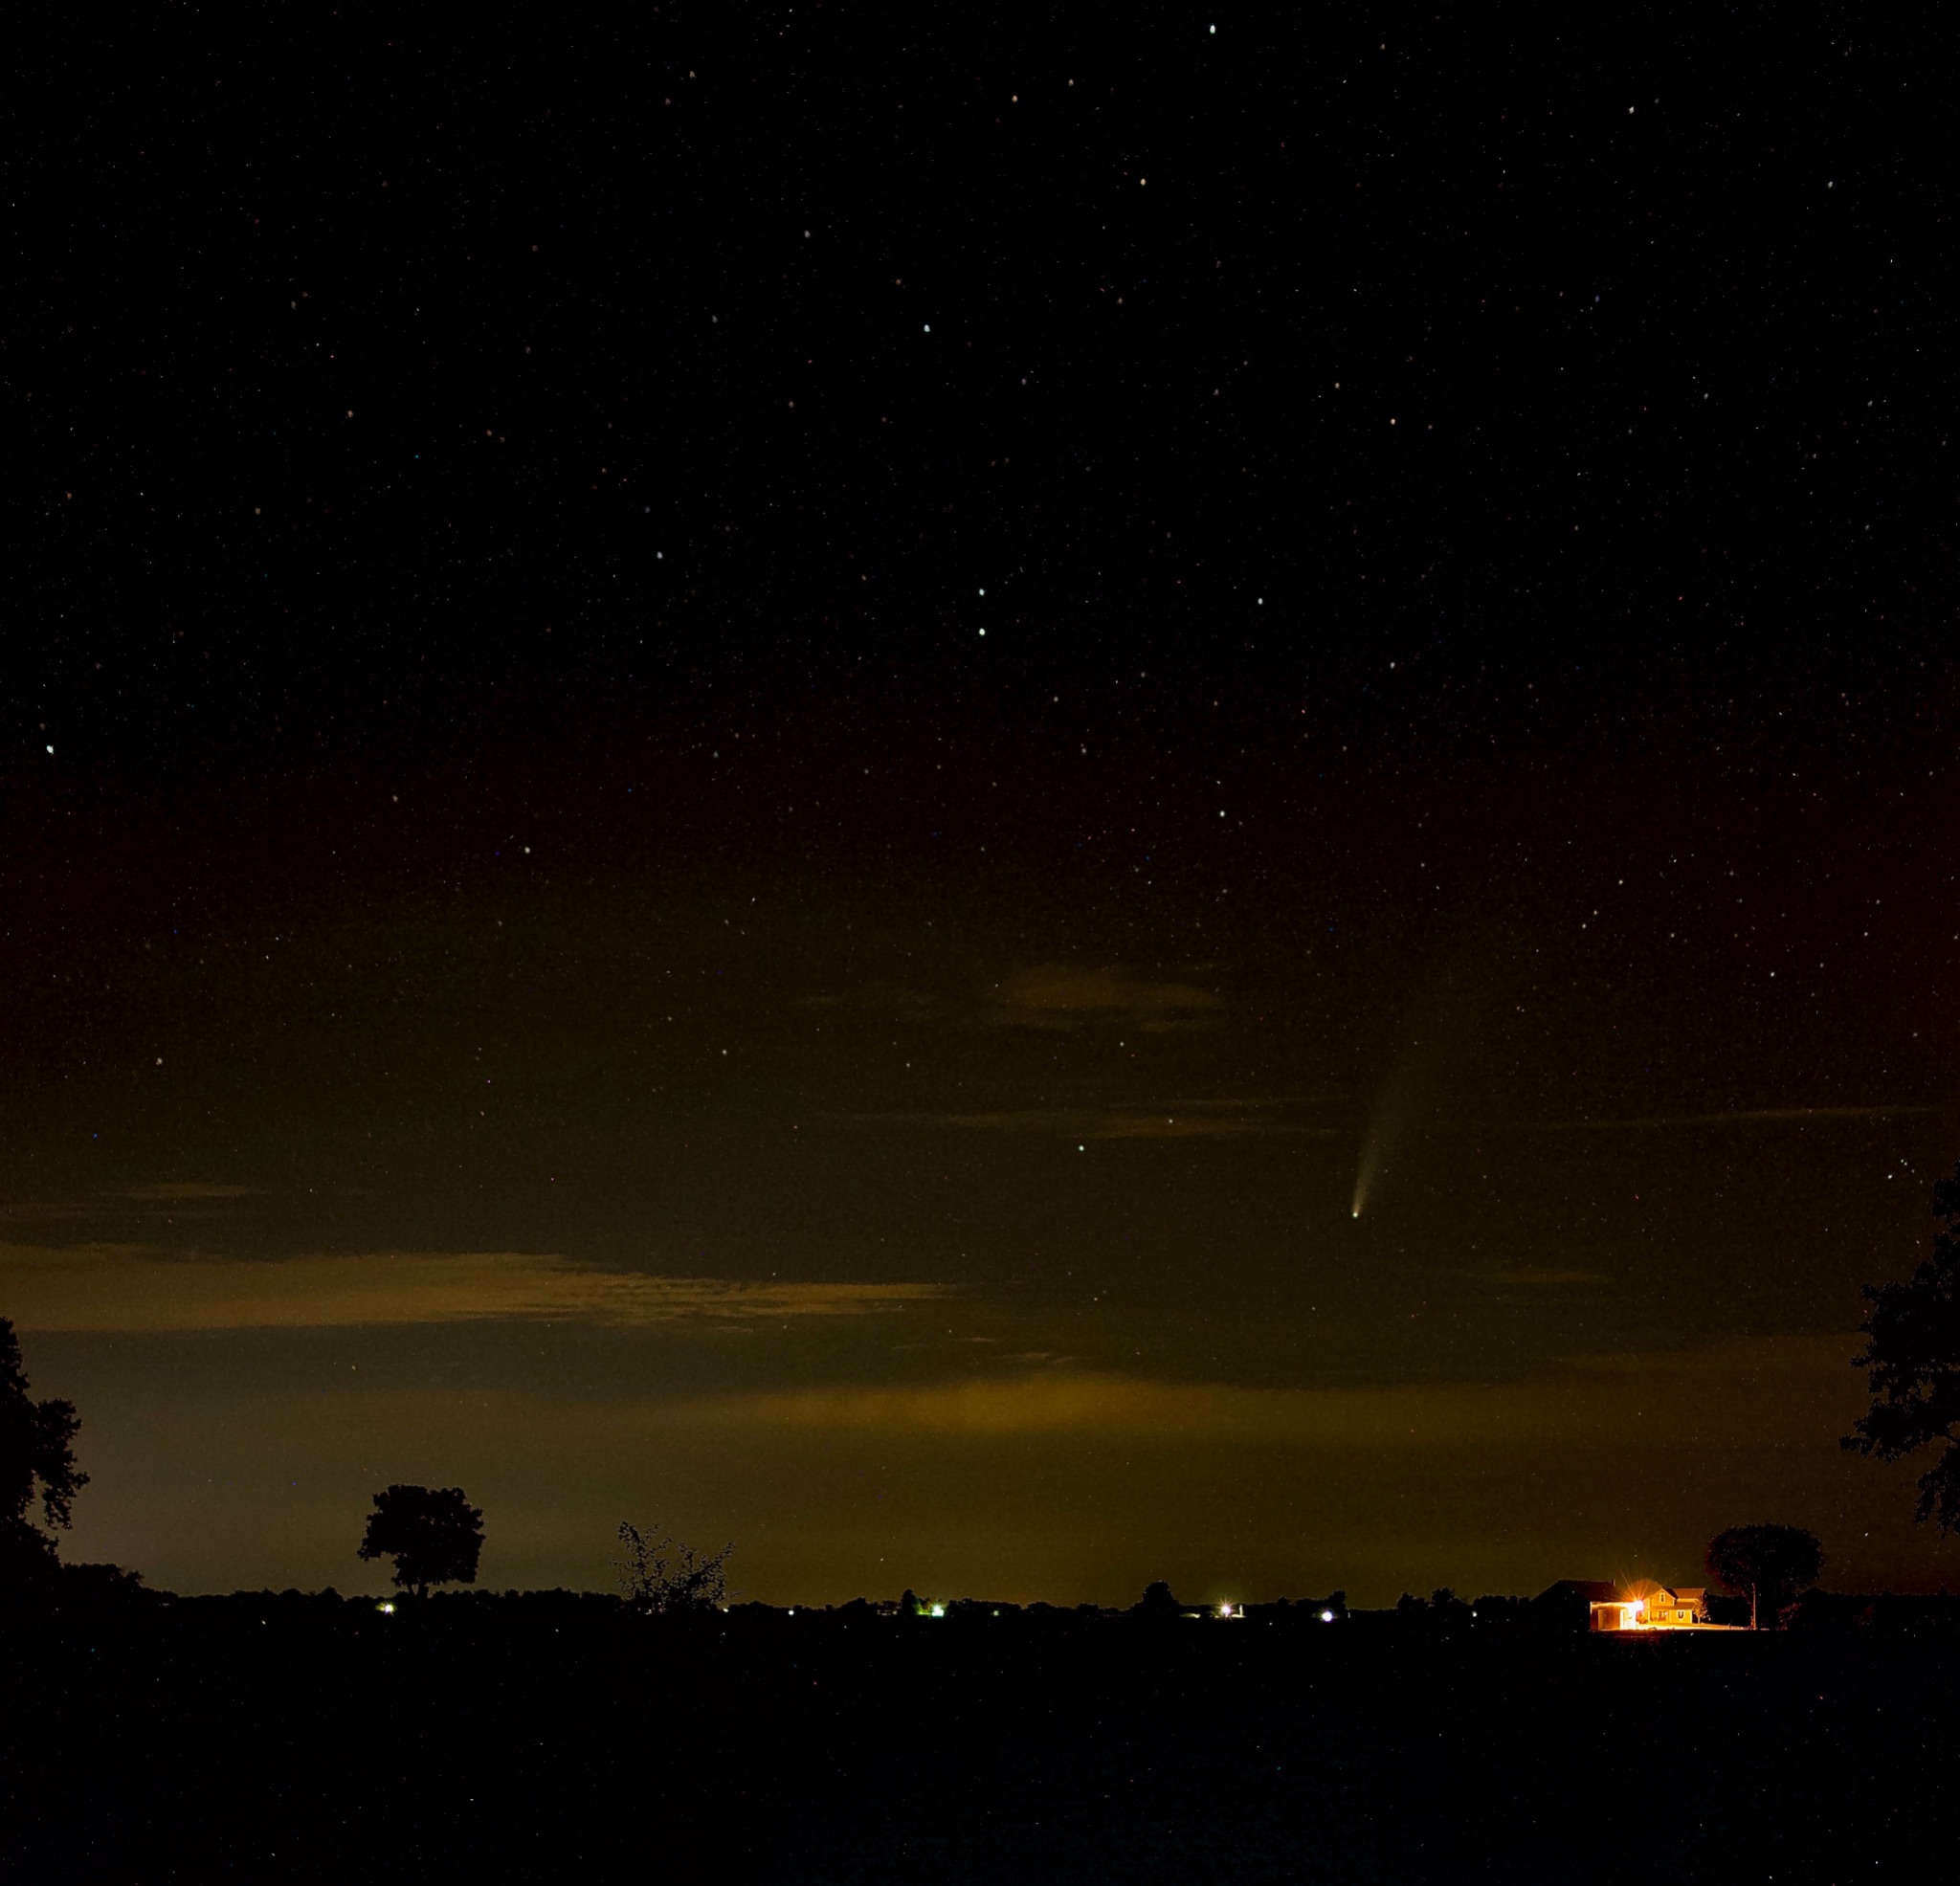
907, 1238
1007, 817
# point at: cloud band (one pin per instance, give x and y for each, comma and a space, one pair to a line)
111, 1288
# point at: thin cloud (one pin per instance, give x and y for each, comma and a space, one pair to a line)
1060, 995
171, 1192
129, 1289
1201, 1119
188, 1192
1778, 1391
49, 1211
1739, 1117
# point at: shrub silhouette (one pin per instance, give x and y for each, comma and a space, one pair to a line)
432, 1534
660, 1575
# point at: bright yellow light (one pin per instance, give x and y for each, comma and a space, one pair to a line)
939, 1611
1224, 1611
387, 1610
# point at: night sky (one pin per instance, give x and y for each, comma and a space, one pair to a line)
1006, 803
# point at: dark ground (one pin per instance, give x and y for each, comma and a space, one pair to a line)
302, 1740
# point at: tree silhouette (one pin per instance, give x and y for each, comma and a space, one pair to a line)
660, 1575
1913, 1358
1157, 1602
432, 1534
37, 1453
1770, 1564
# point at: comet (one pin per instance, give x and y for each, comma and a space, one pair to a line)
1437, 1035
1391, 1114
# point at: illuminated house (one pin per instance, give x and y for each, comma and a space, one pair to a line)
1648, 1606
1642, 1605
1682, 1609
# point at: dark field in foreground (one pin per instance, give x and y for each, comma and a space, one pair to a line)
293, 1738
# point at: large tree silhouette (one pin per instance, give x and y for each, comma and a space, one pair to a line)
1157, 1602
1768, 1564
432, 1534
36, 1456
1913, 1357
